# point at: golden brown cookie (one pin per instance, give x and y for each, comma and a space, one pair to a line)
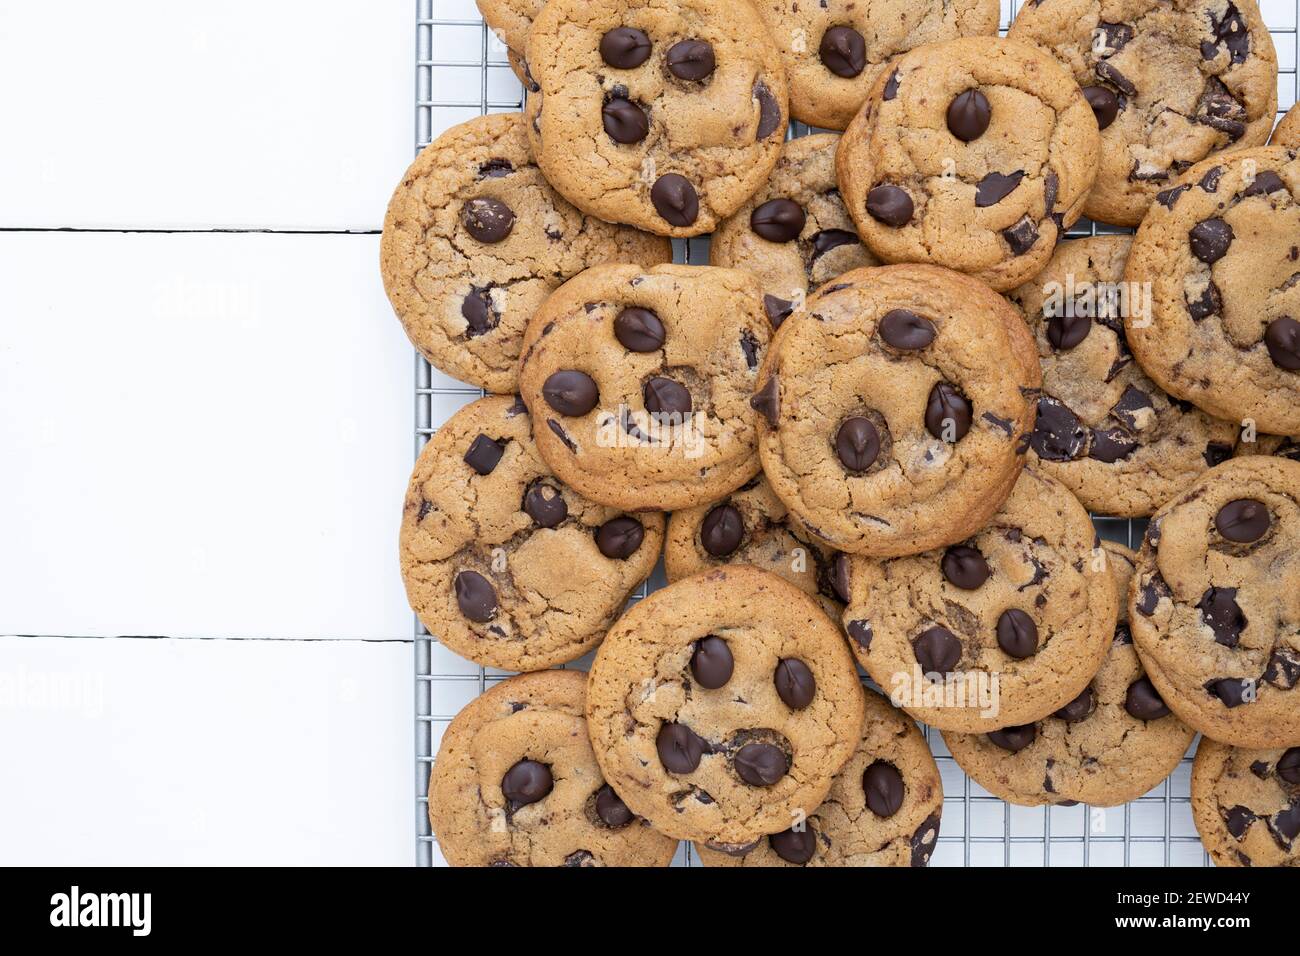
1246, 804
511, 20
1288, 131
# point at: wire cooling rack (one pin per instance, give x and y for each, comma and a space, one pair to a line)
462, 72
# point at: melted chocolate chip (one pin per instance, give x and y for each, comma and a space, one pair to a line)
624, 121
761, 765
675, 200
624, 48
779, 220
1288, 765
861, 633
1068, 331
611, 809
1022, 236
794, 846
1078, 709
843, 51
712, 662
721, 531
475, 597
924, 840
1143, 701
1232, 691
948, 413
477, 312
890, 205
545, 505
619, 538
778, 310
906, 331
937, 650
1169, 197
769, 111
484, 454
965, 567
1221, 613
1282, 339
1014, 739
1111, 74
691, 60
883, 786
767, 401
1209, 303
1104, 103
1210, 239
679, 747
570, 392
1109, 445
841, 575
750, 347
891, 86
795, 683
828, 239
1238, 820
995, 187
526, 782
969, 115
1058, 434
857, 443
1244, 521
487, 220
1017, 634
639, 330
663, 396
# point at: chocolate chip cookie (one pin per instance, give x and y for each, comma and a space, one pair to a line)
883, 808
722, 706
1171, 82
503, 563
795, 233
475, 240
1280, 445
1109, 745
511, 20
752, 526
1246, 804
640, 382
998, 631
1215, 603
834, 50
1288, 131
895, 409
1220, 251
664, 114
975, 154
516, 783
1104, 429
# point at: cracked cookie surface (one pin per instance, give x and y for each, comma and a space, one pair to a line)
1215, 604
1220, 250
975, 154
882, 810
503, 563
1172, 82
475, 240
1104, 429
894, 408
516, 783
1246, 804
664, 114
1111, 744
795, 233
834, 50
1288, 131
1028, 600
640, 382
722, 706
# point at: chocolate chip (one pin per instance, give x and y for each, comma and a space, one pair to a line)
883, 786
487, 220
484, 454
495, 169
968, 115
750, 347
1143, 701
712, 662
767, 401
675, 200
1022, 236
778, 310
1243, 521
475, 597
691, 60
861, 633
844, 51
1111, 74
570, 392
1078, 709
1210, 181
1014, 739
769, 111
1216, 453
721, 531
624, 121
1058, 434
1068, 331
1169, 197
924, 840
965, 567
1109, 445
611, 809
1283, 670
1104, 103
663, 396
1151, 596
890, 205
1220, 110
545, 505
639, 330
828, 239
478, 314
937, 650
906, 330
761, 765
619, 538
1288, 765
794, 846
1265, 182
1117, 36
1285, 825
1282, 337
1050, 186
680, 748
891, 86
948, 413
857, 444
1230, 31
1210, 240
1017, 634
795, 683
624, 48
779, 220
1232, 691
1238, 820
995, 187
841, 576
526, 782
1221, 613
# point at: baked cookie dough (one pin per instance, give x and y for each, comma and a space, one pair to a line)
1220, 251
516, 783
1171, 82
1288, 131
883, 808
895, 409
1215, 603
721, 707
795, 233
975, 154
834, 50
1279, 445
998, 631
503, 563
475, 240
1111, 744
1246, 804
663, 114
1105, 430
752, 526
640, 382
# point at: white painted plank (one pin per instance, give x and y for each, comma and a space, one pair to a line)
202, 435
295, 114
165, 752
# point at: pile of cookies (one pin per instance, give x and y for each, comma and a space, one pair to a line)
869, 433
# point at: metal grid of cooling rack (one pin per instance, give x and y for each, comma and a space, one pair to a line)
461, 72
